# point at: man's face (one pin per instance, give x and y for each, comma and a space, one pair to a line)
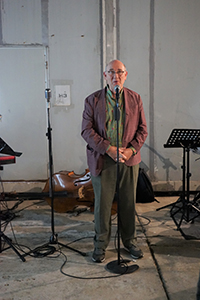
115, 74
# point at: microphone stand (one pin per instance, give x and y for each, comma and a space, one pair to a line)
54, 237
119, 266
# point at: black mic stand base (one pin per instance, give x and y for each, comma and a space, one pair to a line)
121, 267
54, 237
54, 240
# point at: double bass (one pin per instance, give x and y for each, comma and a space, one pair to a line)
79, 191
78, 187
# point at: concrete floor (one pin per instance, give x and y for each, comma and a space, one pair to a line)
169, 269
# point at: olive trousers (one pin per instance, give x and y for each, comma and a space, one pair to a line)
104, 187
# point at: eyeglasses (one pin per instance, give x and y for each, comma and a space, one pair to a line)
119, 72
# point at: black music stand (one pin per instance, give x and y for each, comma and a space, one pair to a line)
186, 139
6, 149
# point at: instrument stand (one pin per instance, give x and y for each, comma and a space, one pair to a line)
54, 237
119, 266
3, 238
6, 149
184, 208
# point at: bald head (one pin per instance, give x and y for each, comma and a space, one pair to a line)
114, 61
115, 74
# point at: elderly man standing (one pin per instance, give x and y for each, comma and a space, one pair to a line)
99, 131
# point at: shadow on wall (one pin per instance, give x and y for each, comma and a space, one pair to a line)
167, 164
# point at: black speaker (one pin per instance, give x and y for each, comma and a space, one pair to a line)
145, 192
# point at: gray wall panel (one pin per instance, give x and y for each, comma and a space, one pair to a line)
177, 75
75, 59
21, 22
134, 23
23, 111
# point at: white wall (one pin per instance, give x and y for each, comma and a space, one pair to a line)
157, 40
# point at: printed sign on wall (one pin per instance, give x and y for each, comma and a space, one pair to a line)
62, 95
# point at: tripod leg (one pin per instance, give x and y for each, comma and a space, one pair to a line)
80, 252
168, 205
163, 207
54, 240
196, 198
8, 241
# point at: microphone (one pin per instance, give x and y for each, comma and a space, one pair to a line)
117, 89
117, 111
48, 94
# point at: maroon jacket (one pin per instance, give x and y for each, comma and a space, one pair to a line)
94, 128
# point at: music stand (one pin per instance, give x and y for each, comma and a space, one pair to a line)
186, 139
6, 149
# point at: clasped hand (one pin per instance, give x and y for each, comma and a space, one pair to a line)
124, 153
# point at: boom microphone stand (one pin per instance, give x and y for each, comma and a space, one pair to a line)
54, 236
119, 266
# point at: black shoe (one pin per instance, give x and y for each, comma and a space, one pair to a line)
134, 251
98, 255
